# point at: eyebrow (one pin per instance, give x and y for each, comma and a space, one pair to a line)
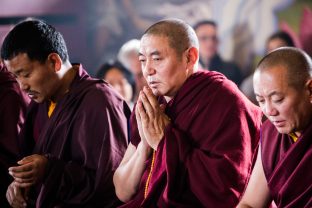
151, 54
270, 95
18, 71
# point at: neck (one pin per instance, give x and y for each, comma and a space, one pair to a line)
66, 74
189, 72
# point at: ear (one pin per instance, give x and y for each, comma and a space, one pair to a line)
55, 61
192, 57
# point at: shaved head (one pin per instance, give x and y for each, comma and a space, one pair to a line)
181, 36
297, 63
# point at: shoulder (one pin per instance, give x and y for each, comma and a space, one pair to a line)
12, 95
100, 91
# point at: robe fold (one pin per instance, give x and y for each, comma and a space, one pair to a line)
206, 154
84, 139
13, 107
287, 166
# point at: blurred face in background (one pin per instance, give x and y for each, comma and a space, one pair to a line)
135, 68
208, 41
275, 43
119, 82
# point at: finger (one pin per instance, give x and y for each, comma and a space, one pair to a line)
142, 114
162, 108
24, 185
9, 195
151, 97
22, 168
147, 106
137, 114
18, 198
25, 180
23, 175
25, 160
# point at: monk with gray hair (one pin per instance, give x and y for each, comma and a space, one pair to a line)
193, 133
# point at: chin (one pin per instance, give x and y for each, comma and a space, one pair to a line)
38, 100
283, 130
156, 92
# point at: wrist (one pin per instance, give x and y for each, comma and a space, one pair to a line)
144, 149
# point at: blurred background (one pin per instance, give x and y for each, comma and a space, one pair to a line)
95, 30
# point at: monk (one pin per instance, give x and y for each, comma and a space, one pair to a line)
283, 87
193, 133
13, 107
75, 133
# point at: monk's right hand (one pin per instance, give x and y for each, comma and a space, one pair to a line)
15, 196
139, 123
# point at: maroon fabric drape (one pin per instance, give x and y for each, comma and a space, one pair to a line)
287, 166
13, 107
85, 140
205, 157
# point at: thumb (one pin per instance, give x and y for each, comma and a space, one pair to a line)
162, 108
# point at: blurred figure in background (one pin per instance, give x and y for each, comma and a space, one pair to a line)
13, 107
120, 78
129, 56
209, 58
276, 40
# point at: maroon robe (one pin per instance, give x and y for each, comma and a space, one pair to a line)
205, 157
287, 166
13, 106
84, 139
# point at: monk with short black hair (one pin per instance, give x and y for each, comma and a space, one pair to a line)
193, 133
75, 133
283, 88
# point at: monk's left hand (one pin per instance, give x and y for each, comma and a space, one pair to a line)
153, 118
30, 171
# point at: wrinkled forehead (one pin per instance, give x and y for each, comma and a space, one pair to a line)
270, 78
153, 44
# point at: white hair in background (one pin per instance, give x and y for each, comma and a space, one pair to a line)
131, 46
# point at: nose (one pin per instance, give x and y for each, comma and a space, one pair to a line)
23, 85
148, 68
269, 109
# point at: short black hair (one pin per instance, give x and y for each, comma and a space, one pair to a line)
106, 67
283, 36
205, 22
35, 38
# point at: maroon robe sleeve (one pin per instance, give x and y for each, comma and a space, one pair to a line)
13, 104
287, 166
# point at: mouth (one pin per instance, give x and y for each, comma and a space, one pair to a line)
153, 84
32, 95
280, 123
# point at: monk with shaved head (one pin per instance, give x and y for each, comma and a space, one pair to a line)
193, 134
283, 87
